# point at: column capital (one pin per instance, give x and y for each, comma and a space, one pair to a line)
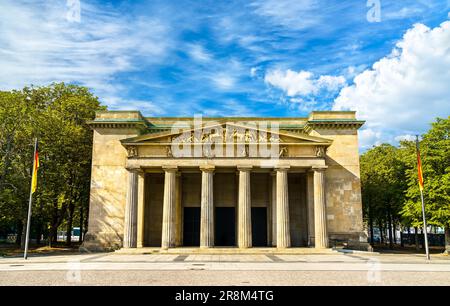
319, 168
244, 168
137, 170
282, 168
207, 168
170, 168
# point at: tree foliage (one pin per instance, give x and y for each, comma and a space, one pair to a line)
57, 116
390, 181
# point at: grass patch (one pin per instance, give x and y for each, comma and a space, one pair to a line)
15, 250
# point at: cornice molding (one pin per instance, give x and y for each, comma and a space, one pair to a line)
333, 124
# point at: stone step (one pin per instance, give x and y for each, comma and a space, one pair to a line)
219, 251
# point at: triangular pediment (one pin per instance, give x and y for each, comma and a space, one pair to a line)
225, 130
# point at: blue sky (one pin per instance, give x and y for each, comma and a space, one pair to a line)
240, 58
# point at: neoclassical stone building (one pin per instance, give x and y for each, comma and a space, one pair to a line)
225, 182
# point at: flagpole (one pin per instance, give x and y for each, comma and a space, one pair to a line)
27, 234
425, 233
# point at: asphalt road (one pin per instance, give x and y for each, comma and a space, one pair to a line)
336, 269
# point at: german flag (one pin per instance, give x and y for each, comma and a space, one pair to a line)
419, 167
35, 169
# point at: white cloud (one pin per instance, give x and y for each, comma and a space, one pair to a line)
404, 92
302, 83
147, 108
225, 74
405, 137
199, 53
38, 45
369, 137
331, 83
224, 81
254, 71
294, 14
404, 12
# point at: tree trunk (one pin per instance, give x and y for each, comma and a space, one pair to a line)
394, 231
416, 238
371, 232
70, 210
19, 232
24, 235
423, 238
371, 226
38, 232
39, 224
391, 246
81, 223
447, 240
53, 235
380, 227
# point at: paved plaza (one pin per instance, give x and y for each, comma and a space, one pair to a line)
230, 269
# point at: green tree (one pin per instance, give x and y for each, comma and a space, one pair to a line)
435, 153
383, 185
57, 115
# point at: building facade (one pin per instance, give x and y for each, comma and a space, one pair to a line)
225, 182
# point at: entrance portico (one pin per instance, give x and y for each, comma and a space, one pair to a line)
179, 220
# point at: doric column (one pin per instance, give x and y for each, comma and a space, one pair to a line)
244, 209
141, 209
310, 205
131, 210
320, 216
178, 214
274, 208
207, 208
283, 225
168, 224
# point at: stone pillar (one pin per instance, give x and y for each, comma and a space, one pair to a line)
310, 205
178, 217
274, 208
283, 225
131, 210
141, 209
320, 215
244, 209
169, 203
207, 208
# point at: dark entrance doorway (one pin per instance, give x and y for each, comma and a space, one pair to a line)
259, 226
191, 226
225, 226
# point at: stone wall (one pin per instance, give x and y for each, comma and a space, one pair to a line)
109, 181
343, 187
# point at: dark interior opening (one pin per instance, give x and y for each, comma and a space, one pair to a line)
191, 226
154, 195
225, 226
259, 226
